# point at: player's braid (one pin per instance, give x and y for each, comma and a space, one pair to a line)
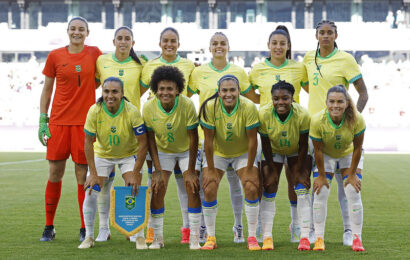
281, 84
132, 54
319, 24
202, 110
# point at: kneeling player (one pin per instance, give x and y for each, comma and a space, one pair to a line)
120, 137
172, 125
337, 134
230, 124
284, 131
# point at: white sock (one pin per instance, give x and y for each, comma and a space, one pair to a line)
355, 209
294, 214
194, 223
210, 209
89, 211
267, 213
320, 211
252, 212
304, 210
103, 203
344, 209
202, 196
235, 189
183, 199
157, 221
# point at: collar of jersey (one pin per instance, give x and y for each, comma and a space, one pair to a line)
118, 111
172, 62
287, 118
215, 69
267, 62
173, 108
121, 62
234, 109
331, 121
328, 56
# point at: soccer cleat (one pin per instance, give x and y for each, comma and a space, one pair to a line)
82, 234
347, 238
319, 245
312, 237
49, 233
304, 244
158, 243
294, 233
140, 243
185, 235
133, 238
357, 244
253, 244
202, 234
259, 235
238, 234
150, 235
103, 235
194, 242
210, 244
267, 244
87, 243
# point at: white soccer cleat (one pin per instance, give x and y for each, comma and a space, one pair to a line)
238, 234
203, 235
103, 235
194, 243
87, 243
140, 243
347, 238
133, 238
158, 243
294, 233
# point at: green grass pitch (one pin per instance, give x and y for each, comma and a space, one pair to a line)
386, 228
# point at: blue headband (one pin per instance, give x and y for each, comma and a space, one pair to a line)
228, 77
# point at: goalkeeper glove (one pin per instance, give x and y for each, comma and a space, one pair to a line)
43, 131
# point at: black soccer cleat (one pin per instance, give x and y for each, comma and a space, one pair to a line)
82, 234
49, 234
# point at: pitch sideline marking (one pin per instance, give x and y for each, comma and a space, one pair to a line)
18, 162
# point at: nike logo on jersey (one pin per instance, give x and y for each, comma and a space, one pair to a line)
205, 77
65, 64
217, 118
106, 67
154, 119
100, 122
270, 128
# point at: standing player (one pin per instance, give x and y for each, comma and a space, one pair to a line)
284, 132
119, 131
230, 125
280, 66
337, 134
203, 81
169, 43
327, 67
73, 69
127, 66
172, 123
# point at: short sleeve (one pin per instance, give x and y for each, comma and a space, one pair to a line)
304, 79
145, 77
192, 85
90, 127
252, 77
252, 117
192, 118
244, 82
314, 131
351, 69
304, 122
360, 125
263, 128
209, 122
97, 69
146, 113
50, 67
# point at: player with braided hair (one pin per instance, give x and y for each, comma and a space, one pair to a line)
326, 67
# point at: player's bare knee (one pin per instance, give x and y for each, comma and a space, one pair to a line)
251, 186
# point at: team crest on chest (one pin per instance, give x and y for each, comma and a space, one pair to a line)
113, 129
78, 68
284, 133
229, 126
338, 137
169, 126
319, 66
277, 77
121, 72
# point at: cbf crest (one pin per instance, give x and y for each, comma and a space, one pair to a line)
284, 133
169, 126
113, 129
121, 72
277, 77
229, 126
129, 202
78, 68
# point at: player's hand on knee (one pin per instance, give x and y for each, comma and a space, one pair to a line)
354, 181
43, 131
91, 181
208, 178
157, 181
319, 182
191, 181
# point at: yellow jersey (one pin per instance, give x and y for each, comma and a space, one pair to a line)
230, 138
129, 71
264, 75
284, 135
184, 65
337, 139
338, 67
171, 128
115, 134
204, 79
